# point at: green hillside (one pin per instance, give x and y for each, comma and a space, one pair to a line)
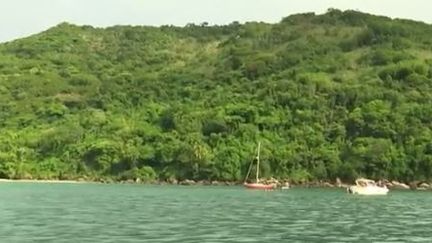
343, 94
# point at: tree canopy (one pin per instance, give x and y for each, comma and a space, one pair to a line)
342, 94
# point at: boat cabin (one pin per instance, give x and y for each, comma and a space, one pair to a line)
365, 182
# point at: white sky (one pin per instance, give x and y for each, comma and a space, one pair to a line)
19, 18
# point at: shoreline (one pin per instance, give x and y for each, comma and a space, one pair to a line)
44, 181
415, 185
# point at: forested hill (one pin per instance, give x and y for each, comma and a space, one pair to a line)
343, 94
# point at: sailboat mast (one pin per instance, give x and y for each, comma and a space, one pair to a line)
258, 161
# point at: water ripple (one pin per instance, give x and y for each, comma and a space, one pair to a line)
133, 213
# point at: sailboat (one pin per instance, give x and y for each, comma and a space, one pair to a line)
257, 184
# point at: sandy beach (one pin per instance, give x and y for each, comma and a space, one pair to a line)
43, 181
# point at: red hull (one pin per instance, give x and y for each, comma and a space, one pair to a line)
259, 186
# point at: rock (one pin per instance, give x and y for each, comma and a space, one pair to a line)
338, 182
138, 180
327, 184
172, 181
203, 183
285, 185
187, 182
399, 185
308, 183
228, 183
206, 182
215, 183
424, 185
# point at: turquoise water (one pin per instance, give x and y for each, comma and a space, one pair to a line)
137, 213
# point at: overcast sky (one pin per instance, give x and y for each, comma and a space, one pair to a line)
19, 18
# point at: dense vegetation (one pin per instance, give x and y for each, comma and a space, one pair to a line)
343, 94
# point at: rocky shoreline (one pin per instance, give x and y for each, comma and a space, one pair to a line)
414, 185
392, 185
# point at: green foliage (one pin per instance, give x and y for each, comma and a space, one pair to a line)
343, 94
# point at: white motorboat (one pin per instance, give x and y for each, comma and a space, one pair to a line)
367, 187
